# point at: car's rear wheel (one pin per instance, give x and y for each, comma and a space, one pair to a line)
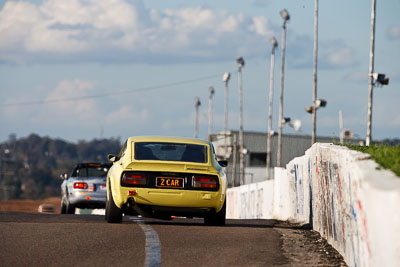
69, 208
113, 213
216, 219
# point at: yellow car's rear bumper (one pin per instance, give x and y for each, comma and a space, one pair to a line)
173, 198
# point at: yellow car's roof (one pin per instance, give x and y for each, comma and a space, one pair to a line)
167, 139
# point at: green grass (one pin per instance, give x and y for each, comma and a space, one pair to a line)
386, 156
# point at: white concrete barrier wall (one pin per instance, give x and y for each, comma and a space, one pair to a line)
355, 206
250, 201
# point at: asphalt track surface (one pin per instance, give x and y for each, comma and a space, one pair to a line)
88, 240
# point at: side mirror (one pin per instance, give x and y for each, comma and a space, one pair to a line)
223, 163
64, 176
112, 158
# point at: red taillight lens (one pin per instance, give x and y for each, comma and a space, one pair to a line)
80, 185
134, 178
204, 182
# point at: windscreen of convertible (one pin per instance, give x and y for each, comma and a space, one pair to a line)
170, 152
91, 170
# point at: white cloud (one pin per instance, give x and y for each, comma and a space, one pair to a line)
65, 109
343, 57
260, 26
357, 77
396, 121
394, 32
77, 30
261, 3
333, 53
385, 112
72, 112
184, 122
125, 114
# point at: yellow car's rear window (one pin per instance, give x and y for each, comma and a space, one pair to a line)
170, 152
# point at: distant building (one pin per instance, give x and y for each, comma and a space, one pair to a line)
255, 144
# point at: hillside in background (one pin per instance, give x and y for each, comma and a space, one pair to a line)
30, 167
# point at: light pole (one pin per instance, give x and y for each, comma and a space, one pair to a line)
285, 17
274, 44
240, 64
226, 78
210, 110
314, 112
378, 79
197, 104
371, 71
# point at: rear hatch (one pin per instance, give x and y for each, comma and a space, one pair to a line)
168, 175
92, 185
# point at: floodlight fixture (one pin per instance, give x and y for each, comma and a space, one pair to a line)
285, 120
348, 133
197, 102
240, 62
226, 77
297, 125
273, 42
211, 91
309, 109
380, 79
320, 103
285, 14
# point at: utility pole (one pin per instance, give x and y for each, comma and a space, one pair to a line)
314, 110
226, 78
210, 110
368, 138
286, 17
234, 159
240, 64
274, 44
341, 126
196, 117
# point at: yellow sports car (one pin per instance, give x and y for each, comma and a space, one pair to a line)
162, 177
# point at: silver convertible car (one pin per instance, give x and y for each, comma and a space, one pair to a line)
85, 188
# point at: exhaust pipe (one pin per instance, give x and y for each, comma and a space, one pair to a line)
131, 203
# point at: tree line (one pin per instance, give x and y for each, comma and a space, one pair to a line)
30, 167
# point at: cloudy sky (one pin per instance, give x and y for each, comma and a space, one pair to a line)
84, 69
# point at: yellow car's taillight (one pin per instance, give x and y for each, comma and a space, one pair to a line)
205, 182
132, 179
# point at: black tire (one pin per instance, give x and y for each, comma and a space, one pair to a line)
216, 219
63, 209
69, 208
113, 213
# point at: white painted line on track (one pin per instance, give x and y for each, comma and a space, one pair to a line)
153, 249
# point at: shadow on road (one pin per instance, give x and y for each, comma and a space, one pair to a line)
242, 223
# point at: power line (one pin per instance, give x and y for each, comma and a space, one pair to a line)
122, 92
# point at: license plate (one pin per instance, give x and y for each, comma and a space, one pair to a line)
170, 182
